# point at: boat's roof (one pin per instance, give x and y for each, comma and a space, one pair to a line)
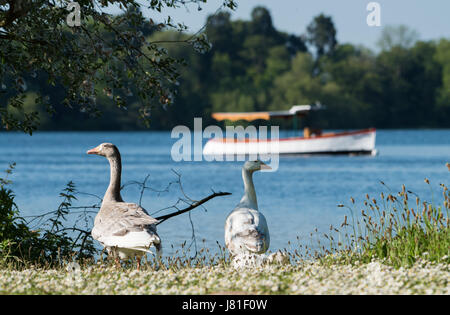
296, 110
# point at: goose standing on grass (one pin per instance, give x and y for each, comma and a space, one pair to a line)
246, 230
124, 229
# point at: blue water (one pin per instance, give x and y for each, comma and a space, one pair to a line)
301, 196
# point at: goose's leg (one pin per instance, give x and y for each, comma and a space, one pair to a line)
116, 257
138, 262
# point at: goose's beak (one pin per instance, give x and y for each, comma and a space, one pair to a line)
264, 166
93, 151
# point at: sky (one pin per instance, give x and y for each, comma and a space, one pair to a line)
430, 18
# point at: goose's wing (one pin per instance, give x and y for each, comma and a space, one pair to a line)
125, 225
246, 230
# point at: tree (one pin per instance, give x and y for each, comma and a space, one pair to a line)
278, 62
400, 36
251, 66
322, 35
37, 44
295, 44
261, 21
442, 56
296, 86
409, 79
219, 31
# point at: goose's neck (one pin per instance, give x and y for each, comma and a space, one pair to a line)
113, 191
249, 198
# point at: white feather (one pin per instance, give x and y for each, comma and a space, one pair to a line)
131, 244
246, 231
141, 239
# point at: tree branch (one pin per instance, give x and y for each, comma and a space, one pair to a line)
17, 9
191, 207
8, 36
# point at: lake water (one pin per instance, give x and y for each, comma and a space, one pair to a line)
301, 196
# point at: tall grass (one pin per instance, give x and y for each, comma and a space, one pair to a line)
396, 228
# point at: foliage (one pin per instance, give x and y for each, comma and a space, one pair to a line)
322, 34
400, 36
252, 66
55, 236
105, 55
392, 230
15, 235
49, 243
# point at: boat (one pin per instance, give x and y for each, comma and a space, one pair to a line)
313, 141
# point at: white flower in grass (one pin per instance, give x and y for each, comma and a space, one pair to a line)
73, 268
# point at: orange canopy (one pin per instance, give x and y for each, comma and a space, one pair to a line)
296, 110
241, 116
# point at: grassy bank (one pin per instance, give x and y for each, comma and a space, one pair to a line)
397, 244
397, 228
307, 278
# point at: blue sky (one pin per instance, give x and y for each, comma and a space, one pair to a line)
430, 18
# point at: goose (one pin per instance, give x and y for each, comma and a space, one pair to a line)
124, 229
246, 230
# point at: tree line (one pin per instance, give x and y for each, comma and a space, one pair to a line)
252, 66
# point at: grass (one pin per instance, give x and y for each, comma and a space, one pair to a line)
394, 231
399, 244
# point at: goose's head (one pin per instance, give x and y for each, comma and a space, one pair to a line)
256, 165
105, 149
